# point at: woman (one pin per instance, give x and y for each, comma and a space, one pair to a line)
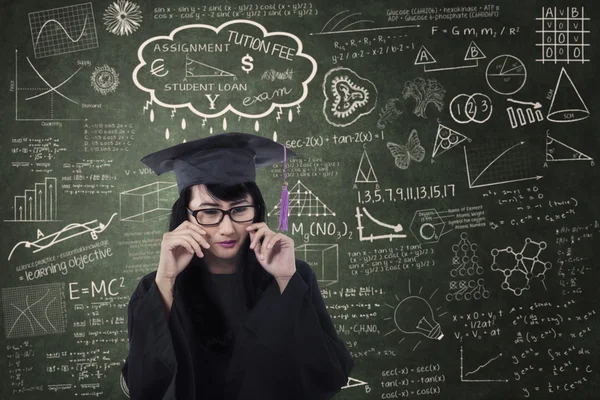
230, 313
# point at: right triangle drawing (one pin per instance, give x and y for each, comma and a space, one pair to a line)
558, 151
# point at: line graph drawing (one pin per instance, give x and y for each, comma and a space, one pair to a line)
479, 368
398, 229
302, 201
63, 30
197, 69
44, 242
34, 108
497, 165
413, 315
345, 25
33, 310
558, 151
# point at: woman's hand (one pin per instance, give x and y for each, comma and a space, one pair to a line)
178, 247
276, 253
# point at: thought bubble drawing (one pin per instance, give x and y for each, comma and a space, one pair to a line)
347, 96
213, 70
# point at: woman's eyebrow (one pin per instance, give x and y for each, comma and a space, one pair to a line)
234, 203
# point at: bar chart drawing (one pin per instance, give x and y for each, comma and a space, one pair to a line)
524, 113
39, 204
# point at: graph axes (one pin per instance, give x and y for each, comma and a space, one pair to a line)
473, 186
462, 379
17, 99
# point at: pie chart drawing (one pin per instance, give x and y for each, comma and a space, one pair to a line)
506, 74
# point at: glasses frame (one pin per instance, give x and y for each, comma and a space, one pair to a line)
194, 213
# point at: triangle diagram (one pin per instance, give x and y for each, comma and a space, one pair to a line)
197, 69
474, 53
303, 202
354, 382
567, 104
361, 177
446, 139
558, 151
424, 57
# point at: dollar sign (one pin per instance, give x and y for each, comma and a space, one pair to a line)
247, 61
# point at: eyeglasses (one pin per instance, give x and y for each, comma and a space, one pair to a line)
214, 216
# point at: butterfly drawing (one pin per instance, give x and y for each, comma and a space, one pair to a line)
403, 154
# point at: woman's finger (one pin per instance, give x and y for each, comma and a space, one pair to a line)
174, 244
183, 239
268, 244
264, 251
257, 235
197, 237
255, 245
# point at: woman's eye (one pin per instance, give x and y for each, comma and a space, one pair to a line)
210, 212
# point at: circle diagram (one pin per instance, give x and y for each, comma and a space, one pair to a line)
506, 74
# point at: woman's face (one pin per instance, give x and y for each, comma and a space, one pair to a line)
226, 231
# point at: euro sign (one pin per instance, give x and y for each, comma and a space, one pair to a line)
157, 67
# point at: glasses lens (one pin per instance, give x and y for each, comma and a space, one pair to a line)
243, 214
209, 216
238, 214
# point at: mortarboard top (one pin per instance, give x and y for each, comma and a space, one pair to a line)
226, 158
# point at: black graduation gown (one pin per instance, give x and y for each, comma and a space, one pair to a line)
287, 348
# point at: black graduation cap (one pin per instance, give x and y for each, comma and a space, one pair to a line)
226, 158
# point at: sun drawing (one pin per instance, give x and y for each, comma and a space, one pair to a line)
122, 17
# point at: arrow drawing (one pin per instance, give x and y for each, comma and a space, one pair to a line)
535, 105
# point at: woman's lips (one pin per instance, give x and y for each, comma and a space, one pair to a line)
229, 243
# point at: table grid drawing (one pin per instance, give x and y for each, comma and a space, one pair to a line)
63, 30
563, 35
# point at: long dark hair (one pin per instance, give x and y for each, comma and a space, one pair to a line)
207, 319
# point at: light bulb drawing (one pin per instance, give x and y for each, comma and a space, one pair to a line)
413, 315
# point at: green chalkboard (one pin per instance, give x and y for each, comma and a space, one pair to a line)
445, 189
